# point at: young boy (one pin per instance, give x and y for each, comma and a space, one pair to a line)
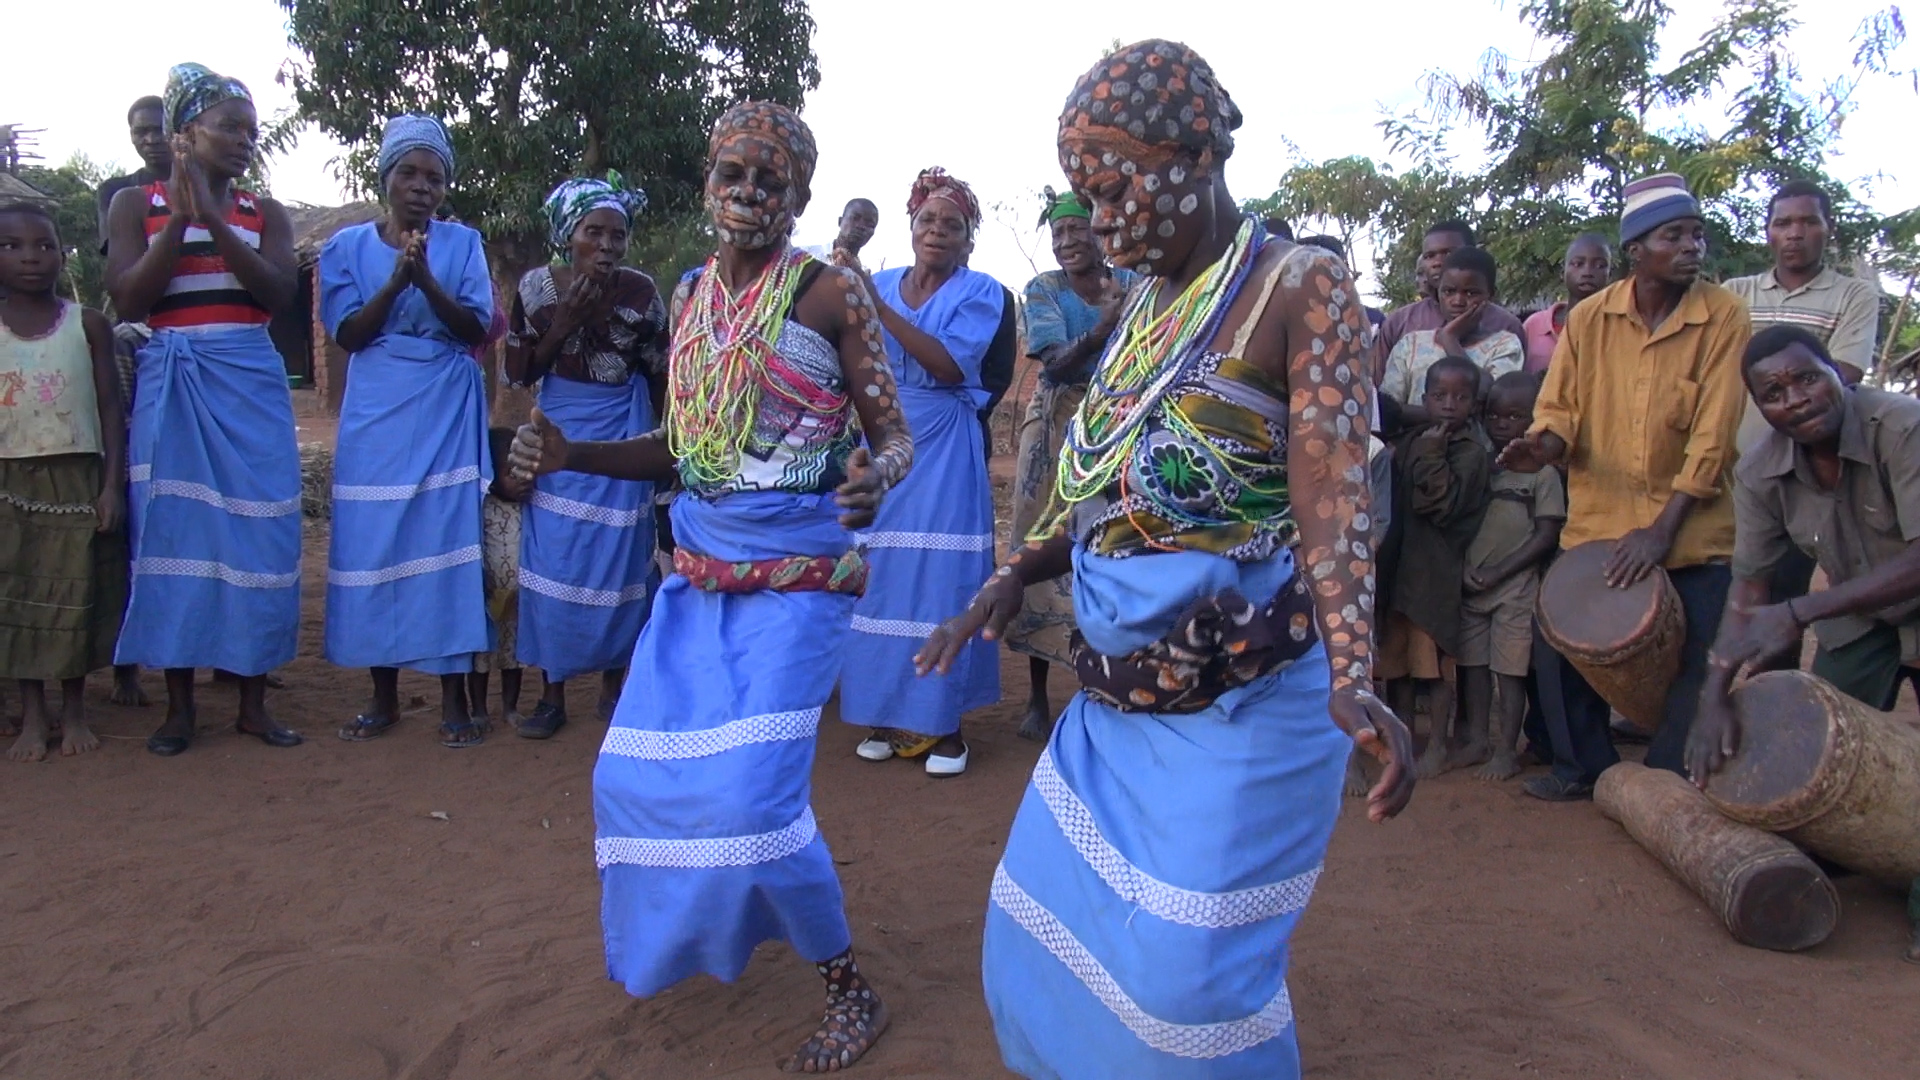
500, 554
63, 556
1521, 529
857, 223
1586, 270
1467, 283
1439, 495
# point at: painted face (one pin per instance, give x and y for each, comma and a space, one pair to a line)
1797, 233
149, 134
1450, 395
1589, 264
1460, 290
1509, 414
1434, 249
941, 239
416, 187
751, 193
1073, 245
1800, 396
30, 254
1149, 204
599, 243
857, 224
1672, 253
224, 138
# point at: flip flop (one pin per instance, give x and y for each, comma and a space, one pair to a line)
464, 734
365, 728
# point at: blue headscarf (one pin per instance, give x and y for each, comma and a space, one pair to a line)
192, 90
409, 132
573, 200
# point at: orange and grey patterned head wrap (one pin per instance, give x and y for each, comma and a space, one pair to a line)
1159, 95
775, 123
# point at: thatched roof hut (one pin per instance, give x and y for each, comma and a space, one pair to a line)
13, 190
313, 226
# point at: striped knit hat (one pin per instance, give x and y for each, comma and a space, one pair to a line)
1652, 202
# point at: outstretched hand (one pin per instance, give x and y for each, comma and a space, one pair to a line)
860, 494
1526, 454
538, 448
993, 607
1378, 732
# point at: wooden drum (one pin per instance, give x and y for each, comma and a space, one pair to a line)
1827, 772
1625, 642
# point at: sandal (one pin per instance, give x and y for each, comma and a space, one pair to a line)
365, 728
912, 744
547, 718
466, 733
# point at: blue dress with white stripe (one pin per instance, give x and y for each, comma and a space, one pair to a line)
1158, 864
405, 582
214, 511
931, 546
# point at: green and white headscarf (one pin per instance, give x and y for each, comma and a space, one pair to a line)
573, 200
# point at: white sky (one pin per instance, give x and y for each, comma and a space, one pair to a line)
885, 109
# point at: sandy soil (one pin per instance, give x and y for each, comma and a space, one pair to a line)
258, 914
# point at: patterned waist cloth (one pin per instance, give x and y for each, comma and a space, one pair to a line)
792, 573
1217, 644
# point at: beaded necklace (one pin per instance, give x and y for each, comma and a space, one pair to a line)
721, 348
1144, 359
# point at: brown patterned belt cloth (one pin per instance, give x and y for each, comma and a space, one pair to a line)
1219, 643
793, 573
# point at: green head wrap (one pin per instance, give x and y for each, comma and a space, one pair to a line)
1063, 206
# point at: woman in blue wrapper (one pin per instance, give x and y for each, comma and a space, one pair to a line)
1217, 520
932, 543
704, 828
409, 297
213, 465
592, 333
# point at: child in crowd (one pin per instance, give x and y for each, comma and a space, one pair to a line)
1520, 530
1467, 283
1439, 495
63, 436
500, 552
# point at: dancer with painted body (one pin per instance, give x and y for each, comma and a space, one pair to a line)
1069, 315
213, 461
706, 841
591, 333
932, 542
1223, 588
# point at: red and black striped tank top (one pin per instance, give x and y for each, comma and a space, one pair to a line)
204, 294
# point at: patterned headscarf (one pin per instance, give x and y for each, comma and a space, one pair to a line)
775, 123
1160, 95
409, 132
934, 183
192, 90
1062, 205
573, 200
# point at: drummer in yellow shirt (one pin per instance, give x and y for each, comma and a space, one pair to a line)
1838, 474
1640, 405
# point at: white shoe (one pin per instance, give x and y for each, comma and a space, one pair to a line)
875, 748
948, 766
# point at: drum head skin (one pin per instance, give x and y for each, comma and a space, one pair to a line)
1578, 608
1785, 740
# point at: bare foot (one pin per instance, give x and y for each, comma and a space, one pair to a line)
1469, 755
32, 744
126, 687
1433, 762
1357, 785
854, 1021
1033, 726
1500, 767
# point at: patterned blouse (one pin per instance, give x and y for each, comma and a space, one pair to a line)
792, 448
632, 341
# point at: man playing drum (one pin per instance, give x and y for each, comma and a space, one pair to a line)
1837, 475
1641, 403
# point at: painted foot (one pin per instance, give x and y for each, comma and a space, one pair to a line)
854, 1021
1500, 767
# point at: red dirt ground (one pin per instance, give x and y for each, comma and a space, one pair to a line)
258, 914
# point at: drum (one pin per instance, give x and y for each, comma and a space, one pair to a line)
1827, 772
1764, 890
1625, 642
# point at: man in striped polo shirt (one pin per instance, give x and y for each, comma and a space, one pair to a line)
1802, 290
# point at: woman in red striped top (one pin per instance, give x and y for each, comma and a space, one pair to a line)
214, 466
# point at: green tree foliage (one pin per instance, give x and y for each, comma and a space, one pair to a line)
76, 212
536, 90
1565, 134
